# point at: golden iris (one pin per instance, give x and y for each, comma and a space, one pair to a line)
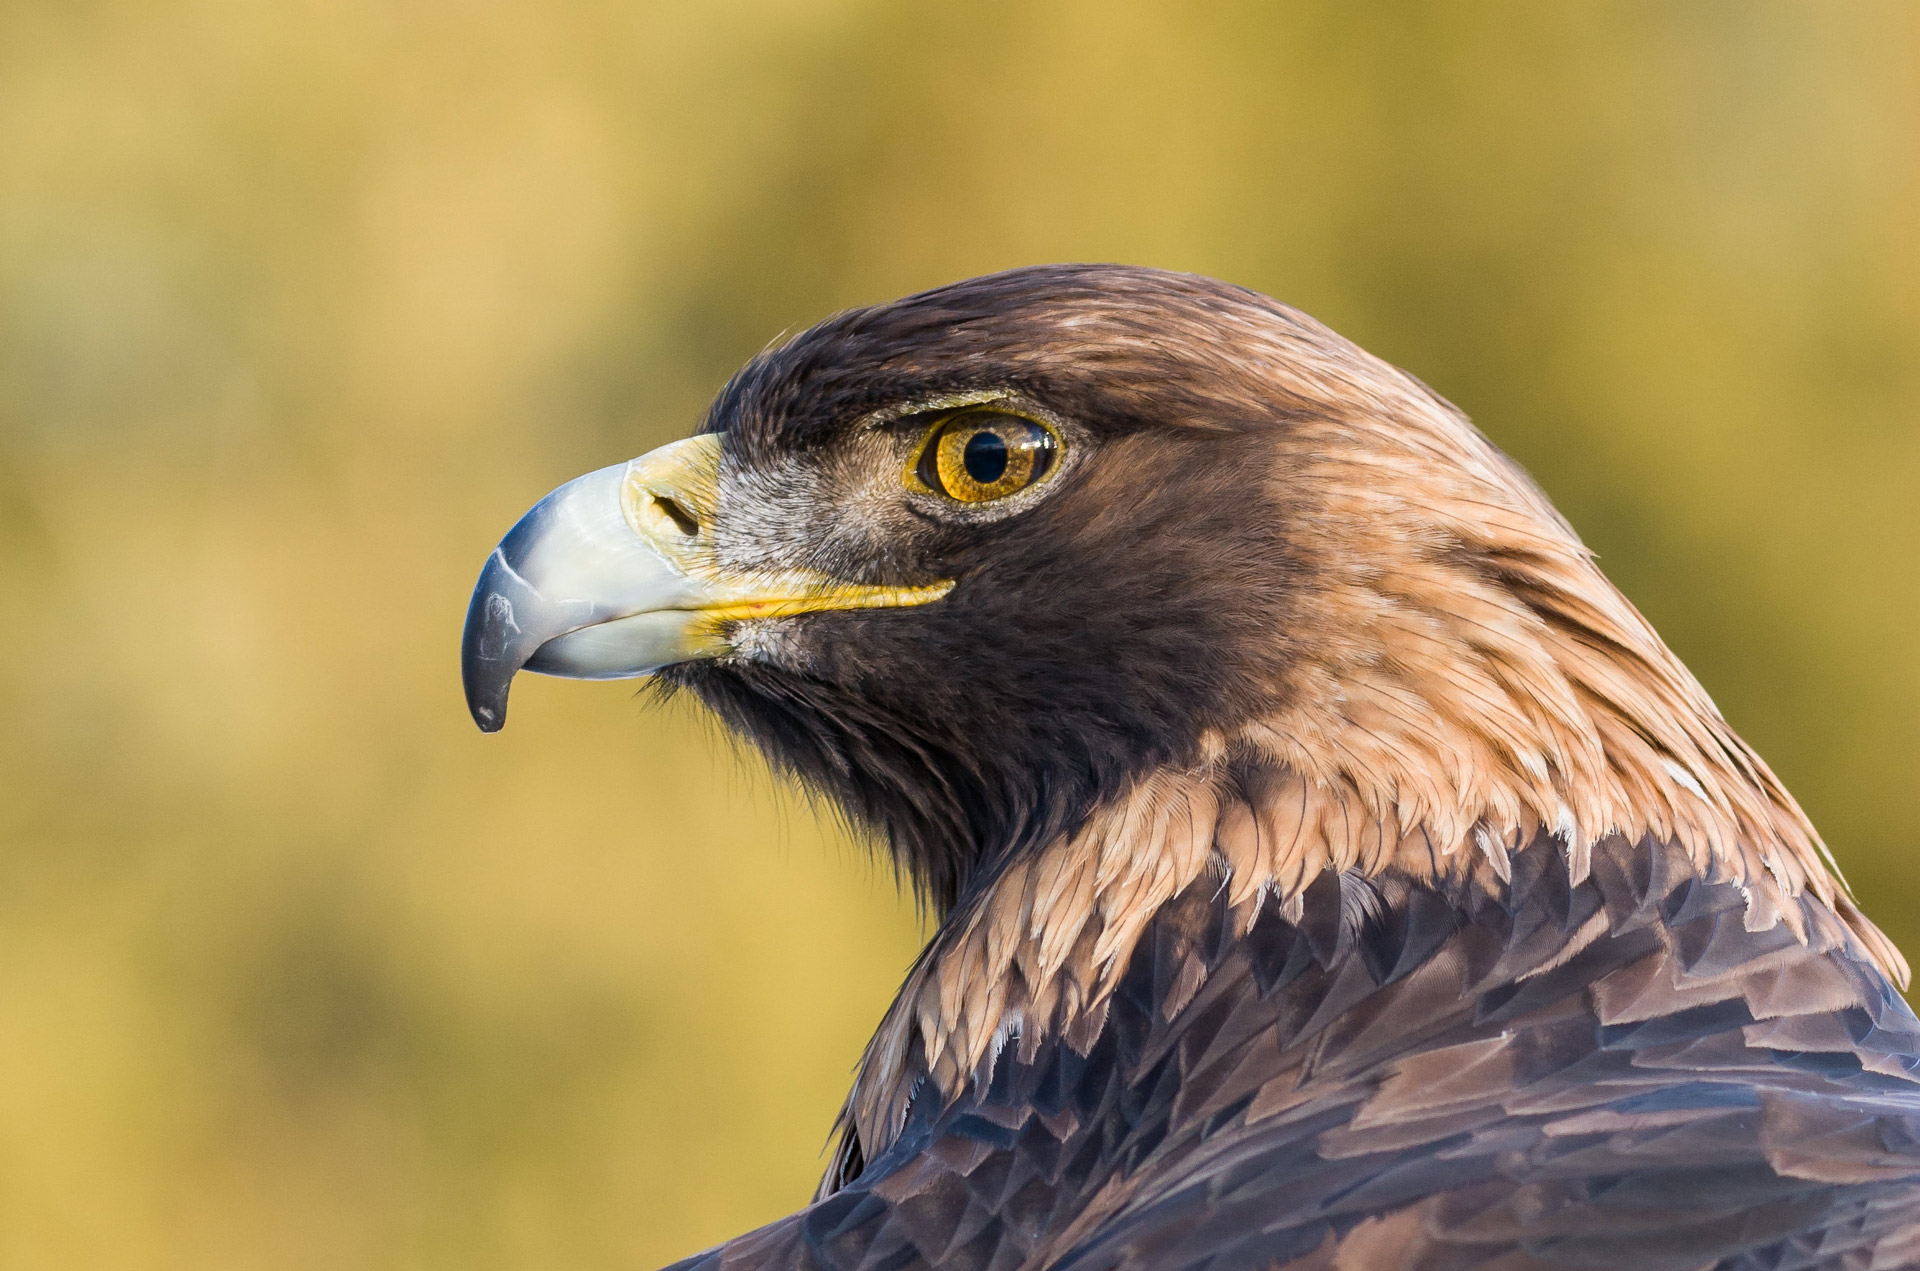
980, 455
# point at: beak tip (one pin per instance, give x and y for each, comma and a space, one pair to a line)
486, 695
486, 688
487, 646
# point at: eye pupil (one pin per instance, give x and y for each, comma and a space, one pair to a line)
985, 457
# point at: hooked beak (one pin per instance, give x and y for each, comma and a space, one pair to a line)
614, 575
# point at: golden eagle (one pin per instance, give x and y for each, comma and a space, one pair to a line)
1332, 868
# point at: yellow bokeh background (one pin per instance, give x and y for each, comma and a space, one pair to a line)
302, 302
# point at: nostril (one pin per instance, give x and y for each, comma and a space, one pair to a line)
683, 520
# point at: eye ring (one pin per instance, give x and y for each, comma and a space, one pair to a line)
978, 456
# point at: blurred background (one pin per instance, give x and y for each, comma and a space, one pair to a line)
302, 302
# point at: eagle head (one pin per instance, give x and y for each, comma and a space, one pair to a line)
971, 562
1077, 546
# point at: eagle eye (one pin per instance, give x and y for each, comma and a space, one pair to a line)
981, 455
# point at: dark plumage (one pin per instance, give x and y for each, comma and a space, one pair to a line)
1405, 1080
1334, 870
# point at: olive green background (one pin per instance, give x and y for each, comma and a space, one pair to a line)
302, 302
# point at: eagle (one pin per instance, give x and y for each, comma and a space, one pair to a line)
1332, 869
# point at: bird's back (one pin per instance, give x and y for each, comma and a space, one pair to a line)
1610, 1074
